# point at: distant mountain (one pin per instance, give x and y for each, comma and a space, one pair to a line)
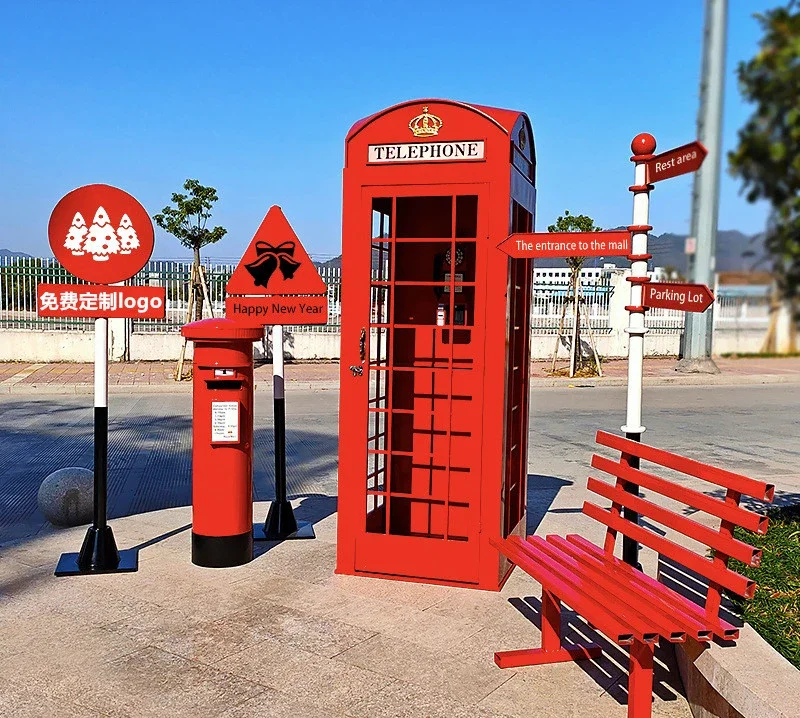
736, 252
335, 262
9, 253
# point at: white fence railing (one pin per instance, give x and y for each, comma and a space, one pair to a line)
20, 275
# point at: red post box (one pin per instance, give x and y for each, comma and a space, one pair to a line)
435, 342
222, 442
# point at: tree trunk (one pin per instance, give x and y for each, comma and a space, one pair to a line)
575, 348
197, 288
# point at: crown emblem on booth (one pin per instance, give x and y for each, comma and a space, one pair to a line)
426, 124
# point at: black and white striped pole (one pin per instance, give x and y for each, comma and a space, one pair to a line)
99, 553
280, 523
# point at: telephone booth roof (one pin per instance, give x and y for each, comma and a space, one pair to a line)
393, 125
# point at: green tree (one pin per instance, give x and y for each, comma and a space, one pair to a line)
187, 221
574, 223
767, 158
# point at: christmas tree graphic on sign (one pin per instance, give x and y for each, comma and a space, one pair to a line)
101, 240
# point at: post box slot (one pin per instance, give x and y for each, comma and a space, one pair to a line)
222, 384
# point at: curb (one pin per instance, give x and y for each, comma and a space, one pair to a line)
185, 387
682, 380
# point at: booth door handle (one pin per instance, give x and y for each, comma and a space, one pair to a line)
357, 370
362, 345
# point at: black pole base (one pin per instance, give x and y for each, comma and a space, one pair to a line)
98, 554
281, 525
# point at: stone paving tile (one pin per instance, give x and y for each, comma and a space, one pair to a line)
431, 630
552, 691
405, 593
316, 635
152, 682
330, 684
276, 704
483, 607
461, 677
309, 561
402, 700
18, 701
62, 649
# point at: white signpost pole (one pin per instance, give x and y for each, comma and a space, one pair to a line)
643, 147
99, 553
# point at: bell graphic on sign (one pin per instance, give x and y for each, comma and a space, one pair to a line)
76, 234
271, 258
102, 239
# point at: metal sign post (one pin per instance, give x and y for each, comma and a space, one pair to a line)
281, 523
643, 147
274, 281
116, 246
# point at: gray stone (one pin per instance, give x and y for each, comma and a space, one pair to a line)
66, 496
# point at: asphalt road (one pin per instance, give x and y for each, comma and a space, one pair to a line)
750, 429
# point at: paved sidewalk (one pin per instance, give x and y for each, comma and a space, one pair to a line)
60, 377
282, 636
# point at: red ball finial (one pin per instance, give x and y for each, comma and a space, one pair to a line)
643, 144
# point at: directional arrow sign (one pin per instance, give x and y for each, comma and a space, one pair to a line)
677, 295
679, 161
612, 243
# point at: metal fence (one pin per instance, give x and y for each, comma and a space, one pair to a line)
20, 275
550, 294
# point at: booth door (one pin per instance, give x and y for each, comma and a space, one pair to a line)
422, 479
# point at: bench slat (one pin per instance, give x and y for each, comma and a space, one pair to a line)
593, 611
698, 623
713, 539
696, 499
736, 482
648, 615
722, 576
721, 628
644, 629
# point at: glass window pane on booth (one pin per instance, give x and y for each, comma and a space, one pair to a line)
381, 217
467, 216
424, 217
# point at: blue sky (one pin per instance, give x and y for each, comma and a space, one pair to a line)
255, 98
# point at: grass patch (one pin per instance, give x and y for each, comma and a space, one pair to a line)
774, 611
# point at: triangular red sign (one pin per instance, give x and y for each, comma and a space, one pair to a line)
275, 263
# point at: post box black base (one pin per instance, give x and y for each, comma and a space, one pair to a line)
98, 554
281, 525
222, 551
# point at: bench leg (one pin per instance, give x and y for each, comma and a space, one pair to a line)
640, 680
551, 650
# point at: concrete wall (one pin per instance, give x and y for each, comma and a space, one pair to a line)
74, 346
77, 346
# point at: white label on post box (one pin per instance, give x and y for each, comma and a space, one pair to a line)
224, 372
225, 421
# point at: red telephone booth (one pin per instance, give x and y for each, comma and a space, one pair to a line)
435, 342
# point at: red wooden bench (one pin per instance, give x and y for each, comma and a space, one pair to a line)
620, 601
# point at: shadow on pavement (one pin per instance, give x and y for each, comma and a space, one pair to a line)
149, 458
610, 670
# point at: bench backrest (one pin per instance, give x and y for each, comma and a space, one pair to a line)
628, 475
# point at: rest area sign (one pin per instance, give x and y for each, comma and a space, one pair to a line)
276, 283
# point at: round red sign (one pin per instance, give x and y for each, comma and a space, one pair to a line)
101, 234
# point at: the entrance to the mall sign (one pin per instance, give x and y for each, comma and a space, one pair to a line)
435, 342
